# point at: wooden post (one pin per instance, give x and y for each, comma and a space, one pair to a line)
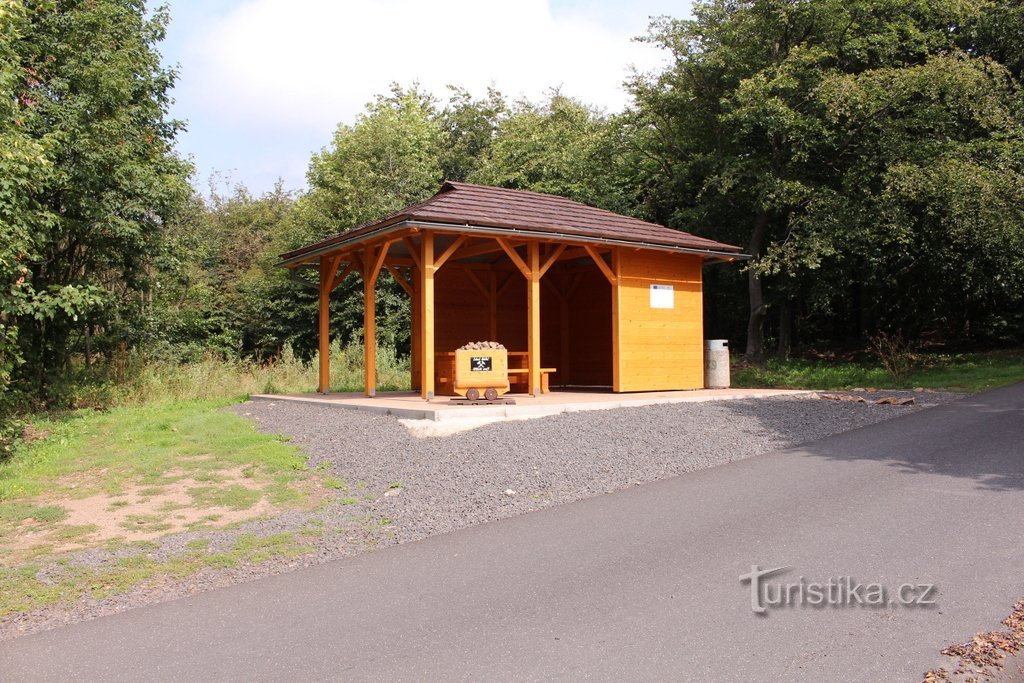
533, 311
616, 295
324, 351
492, 302
427, 315
369, 323
416, 334
563, 369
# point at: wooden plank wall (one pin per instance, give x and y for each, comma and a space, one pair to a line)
660, 348
590, 331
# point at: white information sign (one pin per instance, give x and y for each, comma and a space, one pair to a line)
662, 296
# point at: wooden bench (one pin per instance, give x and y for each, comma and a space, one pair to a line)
521, 376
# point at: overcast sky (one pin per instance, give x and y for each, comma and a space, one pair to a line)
264, 83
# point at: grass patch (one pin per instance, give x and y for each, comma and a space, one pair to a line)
139, 445
23, 588
213, 378
236, 496
70, 534
146, 523
947, 372
15, 513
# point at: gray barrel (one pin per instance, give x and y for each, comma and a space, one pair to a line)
716, 363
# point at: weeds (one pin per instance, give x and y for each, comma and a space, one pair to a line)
893, 351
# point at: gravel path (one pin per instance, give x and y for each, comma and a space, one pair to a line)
392, 486
507, 468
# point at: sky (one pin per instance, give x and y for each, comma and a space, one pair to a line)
263, 84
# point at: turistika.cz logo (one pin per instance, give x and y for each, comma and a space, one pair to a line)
842, 591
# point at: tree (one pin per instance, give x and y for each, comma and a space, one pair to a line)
90, 75
560, 147
23, 166
470, 127
389, 158
763, 132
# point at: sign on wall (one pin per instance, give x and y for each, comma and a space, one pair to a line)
662, 296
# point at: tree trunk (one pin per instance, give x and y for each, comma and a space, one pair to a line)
88, 346
785, 330
758, 310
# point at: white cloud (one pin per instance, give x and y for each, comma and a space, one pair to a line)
292, 64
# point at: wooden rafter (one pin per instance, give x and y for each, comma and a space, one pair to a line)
449, 251
599, 260
482, 249
400, 279
505, 283
551, 259
413, 251
340, 277
375, 259
479, 285
514, 257
333, 262
576, 280
571, 254
554, 290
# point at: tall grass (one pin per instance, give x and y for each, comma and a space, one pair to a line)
966, 372
143, 381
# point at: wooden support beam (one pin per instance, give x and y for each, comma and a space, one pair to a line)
416, 336
475, 279
335, 262
400, 279
340, 277
449, 251
505, 283
577, 278
324, 347
564, 331
483, 249
492, 309
426, 292
554, 290
551, 259
599, 260
616, 330
372, 261
533, 313
516, 258
377, 259
414, 251
572, 253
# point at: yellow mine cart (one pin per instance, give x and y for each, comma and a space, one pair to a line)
481, 371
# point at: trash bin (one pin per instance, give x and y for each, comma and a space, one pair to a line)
716, 363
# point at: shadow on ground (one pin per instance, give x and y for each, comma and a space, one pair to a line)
997, 417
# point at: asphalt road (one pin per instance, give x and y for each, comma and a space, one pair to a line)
639, 584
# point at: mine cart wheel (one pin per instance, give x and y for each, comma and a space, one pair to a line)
473, 394
491, 393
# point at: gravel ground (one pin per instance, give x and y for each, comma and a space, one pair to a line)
392, 486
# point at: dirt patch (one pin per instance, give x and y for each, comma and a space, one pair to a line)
142, 512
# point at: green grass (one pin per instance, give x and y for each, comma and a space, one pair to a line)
948, 372
16, 513
104, 451
236, 497
213, 378
23, 589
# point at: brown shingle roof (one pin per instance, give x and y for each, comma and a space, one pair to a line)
495, 207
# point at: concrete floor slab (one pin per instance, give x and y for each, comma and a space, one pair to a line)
408, 405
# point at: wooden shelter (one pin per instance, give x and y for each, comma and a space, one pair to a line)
580, 296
